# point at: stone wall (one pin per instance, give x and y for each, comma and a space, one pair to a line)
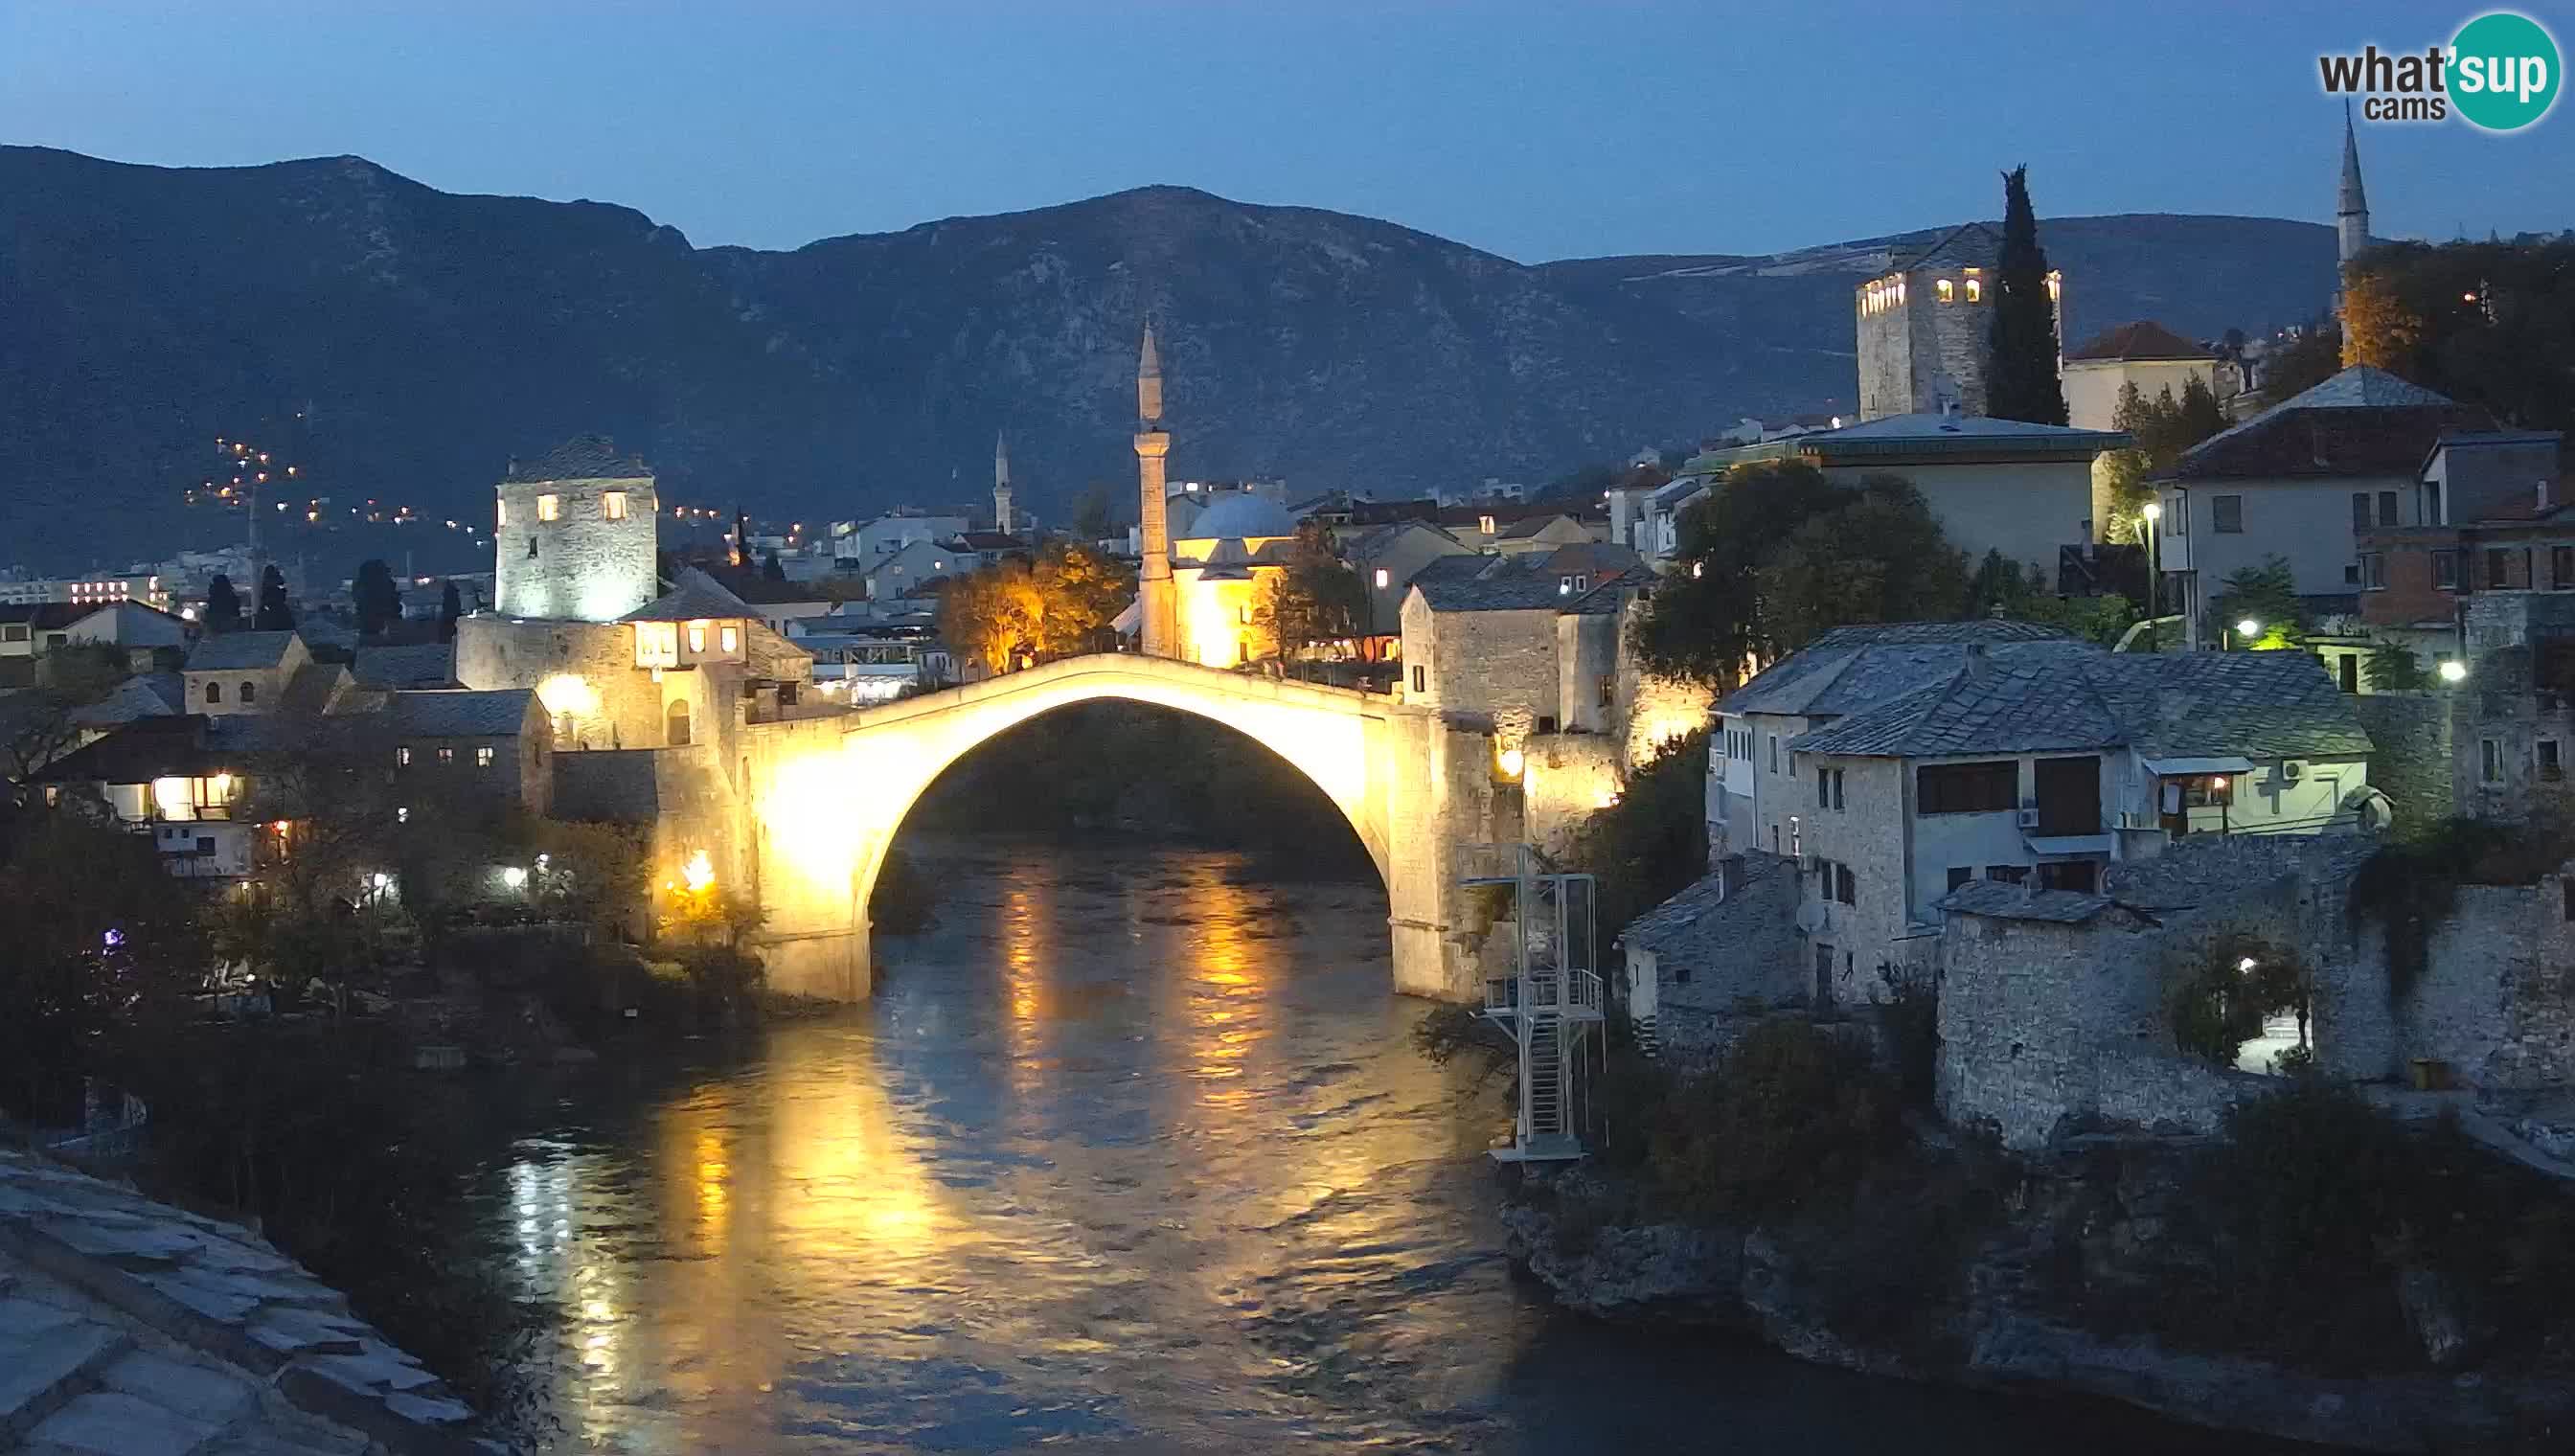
1565, 778
582, 565
2495, 1001
585, 673
1485, 670
2409, 759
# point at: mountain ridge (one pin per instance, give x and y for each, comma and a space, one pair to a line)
145, 310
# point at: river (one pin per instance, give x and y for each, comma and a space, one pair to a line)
1131, 1152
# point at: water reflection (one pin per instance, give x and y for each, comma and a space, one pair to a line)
1131, 1151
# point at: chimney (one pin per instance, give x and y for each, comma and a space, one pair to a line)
1979, 666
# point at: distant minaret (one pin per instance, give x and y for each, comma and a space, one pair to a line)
1002, 518
1157, 610
2351, 208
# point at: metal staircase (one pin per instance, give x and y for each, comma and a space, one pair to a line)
1552, 1000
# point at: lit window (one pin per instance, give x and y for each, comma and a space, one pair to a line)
1948, 290
1975, 290
483, 756
1485, 524
613, 505
402, 756
501, 513
550, 508
446, 755
732, 639
1382, 579
697, 636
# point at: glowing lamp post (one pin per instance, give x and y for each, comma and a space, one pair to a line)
2454, 670
2154, 512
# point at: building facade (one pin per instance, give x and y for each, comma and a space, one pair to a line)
1923, 326
574, 533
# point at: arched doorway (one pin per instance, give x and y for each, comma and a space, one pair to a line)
676, 723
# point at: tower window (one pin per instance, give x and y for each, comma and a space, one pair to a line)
483, 756
214, 692
500, 513
612, 505
249, 691
1382, 579
1948, 290
550, 508
731, 637
697, 636
1975, 290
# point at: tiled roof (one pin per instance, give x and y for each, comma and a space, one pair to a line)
145, 695
1531, 581
581, 457
2363, 421
1968, 245
1374, 543
696, 597
1853, 667
1530, 526
1707, 917
2007, 901
239, 650
2255, 705
413, 665
47, 616
497, 713
2143, 340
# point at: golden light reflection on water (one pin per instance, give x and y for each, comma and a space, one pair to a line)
1225, 1012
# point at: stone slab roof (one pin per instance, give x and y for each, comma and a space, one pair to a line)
1968, 245
236, 652
412, 664
581, 457
2257, 705
2142, 341
2007, 901
696, 597
46, 616
1532, 581
1703, 920
2361, 421
145, 695
1852, 668
497, 712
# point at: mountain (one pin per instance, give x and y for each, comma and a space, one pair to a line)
144, 311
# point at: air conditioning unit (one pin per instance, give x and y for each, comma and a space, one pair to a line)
2029, 818
2292, 770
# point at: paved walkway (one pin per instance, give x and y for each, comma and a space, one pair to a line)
131, 1328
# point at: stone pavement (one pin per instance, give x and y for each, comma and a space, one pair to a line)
132, 1328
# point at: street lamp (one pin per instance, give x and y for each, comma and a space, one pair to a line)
2247, 629
2154, 576
2454, 670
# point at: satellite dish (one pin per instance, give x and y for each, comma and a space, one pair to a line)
1812, 916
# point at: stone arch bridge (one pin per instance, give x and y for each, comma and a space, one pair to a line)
826, 796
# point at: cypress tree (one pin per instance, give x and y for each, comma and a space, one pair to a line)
273, 612
449, 608
2020, 358
223, 606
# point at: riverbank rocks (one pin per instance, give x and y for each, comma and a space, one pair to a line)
132, 1328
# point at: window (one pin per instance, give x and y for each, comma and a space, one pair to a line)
2080, 876
1838, 789
2351, 575
1975, 290
2226, 514
2360, 509
2490, 768
2551, 769
1846, 884
1382, 577
1797, 835
1608, 689
1485, 524
249, 691
13, 631
1960, 874
2373, 569
1824, 789
1948, 290
550, 508
501, 513
205, 843
2561, 567
1774, 752
2206, 791
1420, 679
2498, 568
697, 636
731, 637
214, 692
446, 755
1956, 789
2445, 569
2387, 507
402, 756
612, 505
483, 756
1567, 586
2007, 874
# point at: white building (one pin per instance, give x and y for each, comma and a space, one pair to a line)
861, 546
2145, 353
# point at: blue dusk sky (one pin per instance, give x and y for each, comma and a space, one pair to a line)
1535, 131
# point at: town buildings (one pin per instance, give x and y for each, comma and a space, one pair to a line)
2144, 355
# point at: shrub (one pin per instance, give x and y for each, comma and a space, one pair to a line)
2225, 987
1908, 1012
1788, 1121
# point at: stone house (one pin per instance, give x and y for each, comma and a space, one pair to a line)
1540, 533
175, 777
1740, 912
574, 533
2024, 489
243, 671
1922, 326
495, 745
2301, 481
2144, 354
1387, 557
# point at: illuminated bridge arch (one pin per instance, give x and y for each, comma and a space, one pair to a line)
827, 809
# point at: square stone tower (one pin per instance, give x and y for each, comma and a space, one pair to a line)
577, 533
1924, 323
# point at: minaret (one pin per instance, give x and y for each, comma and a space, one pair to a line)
1157, 610
2351, 208
1002, 518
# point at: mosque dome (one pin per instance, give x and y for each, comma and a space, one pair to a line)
1241, 515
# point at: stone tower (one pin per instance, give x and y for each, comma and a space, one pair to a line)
575, 534
2351, 209
1923, 326
1003, 519
1157, 607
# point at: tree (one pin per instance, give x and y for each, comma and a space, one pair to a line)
990, 616
1080, 593
2489, 324
1314, 599
41, 724
449, 608
223, 606
2267, 596
1095, 520
2303, 363
2020, 355
771, 568
2125, 477
1703, 622
1881, 557
2165, 427
377, 598
274, 615
2392, 666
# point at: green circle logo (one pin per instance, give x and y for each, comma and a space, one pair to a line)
2503, 71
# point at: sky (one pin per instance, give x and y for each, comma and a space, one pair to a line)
1536, 131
